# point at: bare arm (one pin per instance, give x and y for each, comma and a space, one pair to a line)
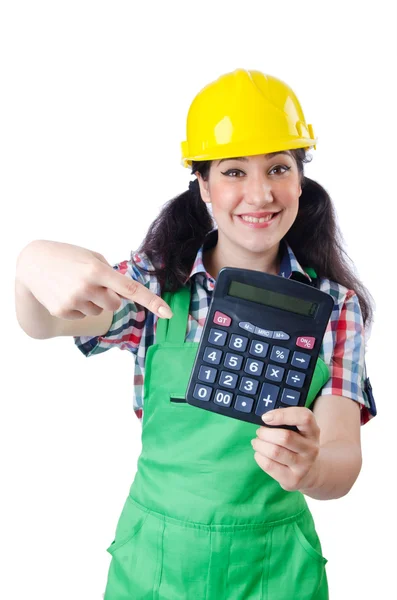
339, 461
63, 289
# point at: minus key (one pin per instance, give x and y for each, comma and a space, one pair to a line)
290, 397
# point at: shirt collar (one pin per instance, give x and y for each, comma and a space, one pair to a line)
289, 263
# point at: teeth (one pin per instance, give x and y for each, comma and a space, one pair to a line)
255, 220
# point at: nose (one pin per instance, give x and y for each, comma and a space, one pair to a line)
258, 192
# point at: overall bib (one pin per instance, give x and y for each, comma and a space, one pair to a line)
202, 520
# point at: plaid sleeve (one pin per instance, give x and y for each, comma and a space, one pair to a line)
127, 324
347, 359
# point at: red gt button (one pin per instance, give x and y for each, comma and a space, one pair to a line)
221, 319
306, 342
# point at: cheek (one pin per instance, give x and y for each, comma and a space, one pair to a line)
224, 201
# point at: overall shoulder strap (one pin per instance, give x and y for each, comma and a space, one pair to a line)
174, 330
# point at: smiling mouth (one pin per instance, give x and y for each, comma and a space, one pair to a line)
264, 219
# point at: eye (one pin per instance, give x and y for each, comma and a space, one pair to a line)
231, 171
281, 167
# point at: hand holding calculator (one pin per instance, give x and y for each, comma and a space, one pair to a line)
259, 345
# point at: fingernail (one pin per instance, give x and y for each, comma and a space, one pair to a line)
165, 312
268, 417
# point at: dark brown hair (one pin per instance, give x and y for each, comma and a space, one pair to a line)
175, 236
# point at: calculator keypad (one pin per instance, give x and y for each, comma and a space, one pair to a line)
241, 378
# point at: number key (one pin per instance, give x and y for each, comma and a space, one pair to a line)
254, 367
228, 379
216, 337
233, 361
223, 398
249, 386
202, 392
207, 374
238, 342
258, 348
211, 355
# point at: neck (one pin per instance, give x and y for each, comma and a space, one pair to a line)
221, 256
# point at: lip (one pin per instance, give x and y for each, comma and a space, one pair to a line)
258, 216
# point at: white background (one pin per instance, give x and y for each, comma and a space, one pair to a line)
93, 108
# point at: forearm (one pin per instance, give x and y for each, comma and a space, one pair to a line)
31, 315
334, 472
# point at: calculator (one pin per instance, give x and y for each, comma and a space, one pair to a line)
259, 344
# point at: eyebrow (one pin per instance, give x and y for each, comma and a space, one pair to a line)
245, 159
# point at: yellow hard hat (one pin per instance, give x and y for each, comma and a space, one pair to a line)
244, 113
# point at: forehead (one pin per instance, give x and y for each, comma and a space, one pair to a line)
246, 158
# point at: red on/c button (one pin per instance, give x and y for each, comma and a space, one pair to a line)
306, 342
221, 319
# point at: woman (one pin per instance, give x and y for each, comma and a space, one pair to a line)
208, 516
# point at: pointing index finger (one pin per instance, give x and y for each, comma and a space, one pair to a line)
131, 289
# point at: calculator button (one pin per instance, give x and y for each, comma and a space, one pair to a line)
244, 404
263, 332
295, 378
300, 360
233, 361
212, 355
228, 379
249, 386
207, 374
274, 372
259, 348
280, 335
267, 398
306, 342
221, 319
279, 354
202, 392
290, 397
216, 337
254, 367
238, 342
247, 326
223, 398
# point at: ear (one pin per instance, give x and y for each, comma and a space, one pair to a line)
204, 188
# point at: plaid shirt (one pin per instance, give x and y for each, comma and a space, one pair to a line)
133, 327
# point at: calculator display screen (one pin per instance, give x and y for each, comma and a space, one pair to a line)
274, 299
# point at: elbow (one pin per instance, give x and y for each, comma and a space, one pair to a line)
354, 472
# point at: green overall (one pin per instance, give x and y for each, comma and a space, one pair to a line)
202, 520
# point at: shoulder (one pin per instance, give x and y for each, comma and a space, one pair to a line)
346, 314
339, 293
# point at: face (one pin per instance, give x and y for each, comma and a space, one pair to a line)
255, 199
